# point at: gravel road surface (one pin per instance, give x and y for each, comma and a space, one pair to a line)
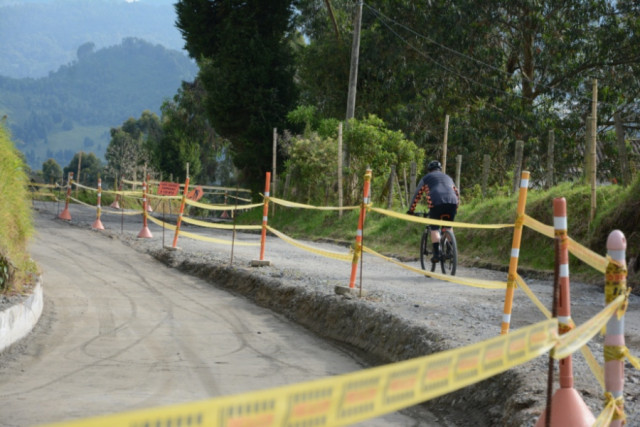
402, 315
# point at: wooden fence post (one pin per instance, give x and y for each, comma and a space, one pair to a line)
390, 186
518, 165
274, 176
412, 179
587, 150
486, 161
340, 154
594, 146
623, 160
551, 143
458, 171
444, 144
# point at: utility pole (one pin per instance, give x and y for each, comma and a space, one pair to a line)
353, 72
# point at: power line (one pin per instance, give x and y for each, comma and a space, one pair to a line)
420, 52
381, 17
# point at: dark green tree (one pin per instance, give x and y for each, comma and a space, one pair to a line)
51, 172
187, 137
503, 70
90, 169
247, 68
131, 145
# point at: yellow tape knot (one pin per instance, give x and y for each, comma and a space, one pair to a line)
620, 352
520, 220
563, 328
618, 404
357, 251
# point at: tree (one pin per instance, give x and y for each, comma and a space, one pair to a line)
131, 145
51, 172
527, 70
91, 168
188, 137
247, 68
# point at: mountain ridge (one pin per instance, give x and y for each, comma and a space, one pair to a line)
73, 108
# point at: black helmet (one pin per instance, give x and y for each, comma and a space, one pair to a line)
434, 165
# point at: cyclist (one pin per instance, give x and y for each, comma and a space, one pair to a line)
442, 198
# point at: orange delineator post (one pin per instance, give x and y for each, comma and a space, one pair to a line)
515, 252
567, 406
182, 203
357, 253
145, 233
265, 212
149, 208
97, 224
614, 344
115, 204
65, 213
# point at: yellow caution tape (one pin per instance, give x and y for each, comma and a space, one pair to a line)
195, 236
421, 220
120, 212
584, 254
221, 207
588, 256
239, 198
522, 285
155, 196
303, 206
220, 226
131, 193
620, 352
541, 228
572, 341
37, 184
354, 397
84, 186
613, 410
596, 368
476, 283
126, 181
606, 416
162, 223
80, 202
324, 253
205, 187
42, 194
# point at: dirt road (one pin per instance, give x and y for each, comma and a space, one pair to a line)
403, 315
120, 331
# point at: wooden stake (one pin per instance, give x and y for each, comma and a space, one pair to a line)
444, 144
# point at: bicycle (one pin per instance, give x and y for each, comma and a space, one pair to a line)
448, 249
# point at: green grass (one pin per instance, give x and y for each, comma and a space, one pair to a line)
16, 223
617, 209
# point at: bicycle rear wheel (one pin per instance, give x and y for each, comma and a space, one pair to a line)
424, 251
448, 252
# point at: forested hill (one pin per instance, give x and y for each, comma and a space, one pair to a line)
73, 108
38, 36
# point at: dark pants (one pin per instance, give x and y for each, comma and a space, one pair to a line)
445, 212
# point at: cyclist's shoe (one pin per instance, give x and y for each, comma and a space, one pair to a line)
435, 259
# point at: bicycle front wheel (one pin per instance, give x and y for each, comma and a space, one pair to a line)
448, 253
424, 251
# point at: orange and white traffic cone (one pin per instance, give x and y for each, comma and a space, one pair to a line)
567, 406
65, 212
145, 233
97, 224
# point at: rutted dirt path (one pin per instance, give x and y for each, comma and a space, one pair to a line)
120, 331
